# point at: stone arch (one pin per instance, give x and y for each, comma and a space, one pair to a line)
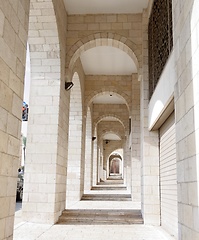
110, 131
102, 39
113, 156
113, 149
109, 90
100, 118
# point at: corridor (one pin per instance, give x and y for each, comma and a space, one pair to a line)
112, 143
76, 231
104, 212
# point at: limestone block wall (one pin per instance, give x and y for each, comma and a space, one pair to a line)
45, 171
186, 44
119, 85
13, 37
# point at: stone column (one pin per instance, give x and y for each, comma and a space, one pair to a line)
45, 168
135, 140
94, 177
88, 149
149, 145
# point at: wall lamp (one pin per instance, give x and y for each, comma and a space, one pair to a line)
68, 85
93, 138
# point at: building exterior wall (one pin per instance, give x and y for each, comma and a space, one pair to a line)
186, 25
13, 38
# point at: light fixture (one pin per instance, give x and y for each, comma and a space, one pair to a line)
68, 85
93, 138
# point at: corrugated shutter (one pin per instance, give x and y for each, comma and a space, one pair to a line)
168, 178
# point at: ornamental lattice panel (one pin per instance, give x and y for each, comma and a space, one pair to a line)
160, 40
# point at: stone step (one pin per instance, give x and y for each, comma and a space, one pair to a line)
110, 182
106, 197
107, 187
114, 178
96, 216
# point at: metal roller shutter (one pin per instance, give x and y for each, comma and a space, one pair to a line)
168, 178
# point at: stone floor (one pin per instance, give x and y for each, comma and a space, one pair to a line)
31, 231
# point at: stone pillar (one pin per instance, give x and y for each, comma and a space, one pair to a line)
76, 150
186, 43
45, 169
149, 146
135, 140
127, 164
13, 41
88, 149
94, 160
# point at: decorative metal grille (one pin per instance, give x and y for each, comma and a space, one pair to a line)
160, 40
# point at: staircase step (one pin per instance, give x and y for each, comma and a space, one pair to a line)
111, 182
108, 187
106, 197
92, 217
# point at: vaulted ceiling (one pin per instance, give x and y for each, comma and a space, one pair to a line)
106, 60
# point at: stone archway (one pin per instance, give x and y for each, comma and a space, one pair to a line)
102, 39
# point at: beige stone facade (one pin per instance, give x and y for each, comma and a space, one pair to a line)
67, 152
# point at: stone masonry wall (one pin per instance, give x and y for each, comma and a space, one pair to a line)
186, 94
13, 38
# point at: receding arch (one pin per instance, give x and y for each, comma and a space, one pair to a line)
107, 131
114, 116
116, 154
102, 39
109, 90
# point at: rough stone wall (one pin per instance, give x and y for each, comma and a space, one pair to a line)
13, 38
